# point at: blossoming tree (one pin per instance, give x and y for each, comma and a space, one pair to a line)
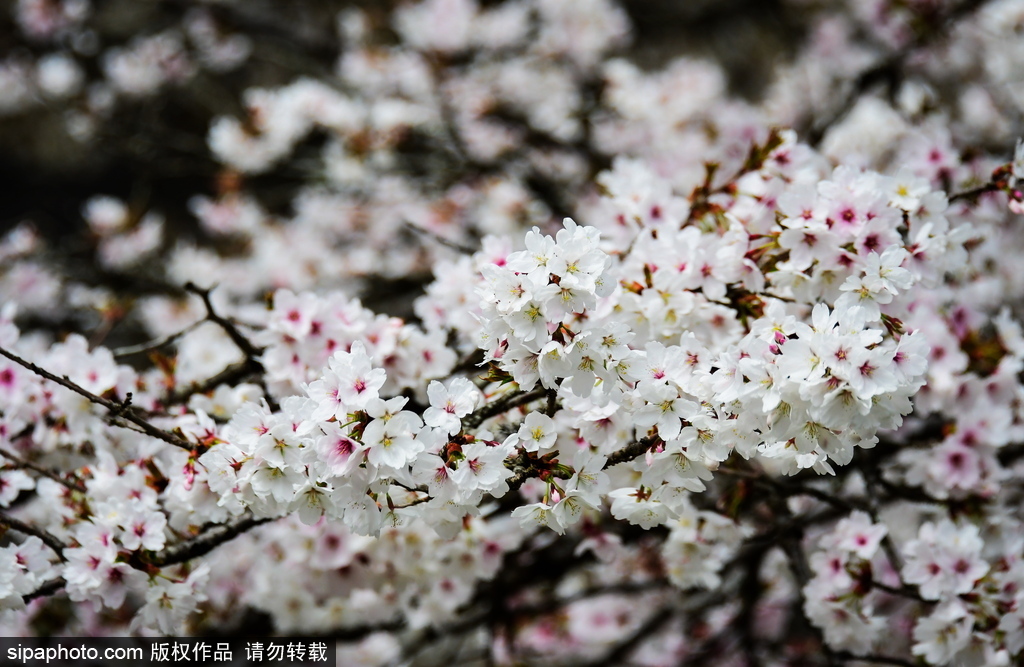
680, 378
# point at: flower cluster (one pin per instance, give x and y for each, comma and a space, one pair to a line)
836, 598
531, 303
490, 328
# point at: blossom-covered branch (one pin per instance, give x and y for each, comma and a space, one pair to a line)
525, 340
117, 409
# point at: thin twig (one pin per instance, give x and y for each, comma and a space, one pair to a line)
199, 545
788, 489
48, 538
872, 479
252, 363
974, 193
524, 468
131, 350
47, 589
434, 236
880, 659
203, 543
117, 409
22, 463
617, 656
510, 400
905, 591
631, 451
553, 604
469, 362
250, 351
230, 375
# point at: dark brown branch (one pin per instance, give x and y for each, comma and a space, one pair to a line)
787, 488
908, 492
199, 545
878, 659
631, 451
252, 364
447, 243
505, 403
552, 405
131, 350
48, 588
250, 351
873, 478
524, 468
549, 606
887, 70
230, 375
469, 363
357, 632
750, 592
835, 501
48, 539
28, 465
203, 543
1010, 453
790, 541
523, 471
117, 409
974, 193
905, 591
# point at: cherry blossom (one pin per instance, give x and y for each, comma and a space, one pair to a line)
473, 323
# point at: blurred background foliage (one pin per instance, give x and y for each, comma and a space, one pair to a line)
152, 152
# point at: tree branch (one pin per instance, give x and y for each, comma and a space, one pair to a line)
199, 545
250, 351
974, 193
631, 451
203, 543
116, 409
879, 659
510, 400
231, 374
524, 468
434, 236
131, 350
48, 539
617, 656
790, 541
252, 363
22, 463
48, 588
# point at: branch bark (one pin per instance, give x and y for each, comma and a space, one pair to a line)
28, 465
199, 545
48, 538
505, 403
116, 409
203, 543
